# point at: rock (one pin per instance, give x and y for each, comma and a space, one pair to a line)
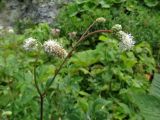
40, 12
35, 10
9, 13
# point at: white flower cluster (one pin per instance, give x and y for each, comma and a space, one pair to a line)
127, 41
54, 48
51, 47
30, 44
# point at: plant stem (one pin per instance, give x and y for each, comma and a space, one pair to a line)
35, 81
41, 108
88, 29
82, 38
38, 90
110, 87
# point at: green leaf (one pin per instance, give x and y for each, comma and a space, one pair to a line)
85, 58
124, 107
5, 99
155, 87
83, 93
151, 3
104, 4
103, 38
100, 103
83, 104
119, 1
44, 72
149, 106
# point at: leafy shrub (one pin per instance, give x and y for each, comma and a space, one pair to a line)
89, 86
148, 104
95, 83
22, 25
105, 72
141, 18
41, 32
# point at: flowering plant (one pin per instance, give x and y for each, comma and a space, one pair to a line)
53, 48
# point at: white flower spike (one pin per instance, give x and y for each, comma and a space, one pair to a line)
54, 48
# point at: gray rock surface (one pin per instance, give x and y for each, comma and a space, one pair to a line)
35, 10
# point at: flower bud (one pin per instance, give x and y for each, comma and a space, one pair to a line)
117, 27
56, 32
72, 35
54, 48
101, 19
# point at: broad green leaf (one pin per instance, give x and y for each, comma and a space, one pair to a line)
103, 38
104, 4
124, 107
155, 87
85, 58
151, 3
44, 72
149, 106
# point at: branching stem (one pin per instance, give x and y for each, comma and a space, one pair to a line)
82, 38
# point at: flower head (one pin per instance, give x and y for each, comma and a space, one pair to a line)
127, 41
101, 19
54, 48
117, 27
72, 35
30, 44
56, 32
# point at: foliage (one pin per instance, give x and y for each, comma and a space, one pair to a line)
22, 25
90, 86
99, 82
41, 32
149, 104
140, 17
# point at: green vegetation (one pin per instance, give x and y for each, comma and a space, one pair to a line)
2, 4
98, 81
139, 17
